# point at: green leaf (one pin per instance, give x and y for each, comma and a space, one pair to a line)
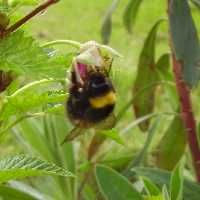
196, 2
106, 28
32, 133
138, 121
27, 189
114, 186
143, 152
191, 190
172, 145
57, 109
146, 75
183, 31
120, 162
130, 14
165, 74
21, 54
151, 188
159, 197
162, 66
165, 193
176, 182
21, 166
113, 134
29, 97
14, 3
4, 7
60, 127
38, 139
12, 193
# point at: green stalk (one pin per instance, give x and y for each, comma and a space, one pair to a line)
62, 42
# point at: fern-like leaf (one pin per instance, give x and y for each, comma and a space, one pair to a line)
23, 55
21, 166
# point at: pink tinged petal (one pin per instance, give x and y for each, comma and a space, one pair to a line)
82, 68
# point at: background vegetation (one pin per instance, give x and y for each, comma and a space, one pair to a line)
33, 120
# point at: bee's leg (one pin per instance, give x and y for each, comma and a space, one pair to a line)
109, 67
78, 77
111, 62
75, 132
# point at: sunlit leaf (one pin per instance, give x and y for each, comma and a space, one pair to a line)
29, 97
14, 3
113, 134
165, 193
159, 197
151, 188
4, 7
21, 54
18, 190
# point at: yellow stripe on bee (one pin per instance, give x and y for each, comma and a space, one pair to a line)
102, 101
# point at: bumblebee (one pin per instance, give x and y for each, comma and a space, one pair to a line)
91, 102
92, 96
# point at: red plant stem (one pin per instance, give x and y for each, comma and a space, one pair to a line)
28, 17
184, 93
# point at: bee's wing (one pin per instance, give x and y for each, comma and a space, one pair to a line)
75, 132
108, 123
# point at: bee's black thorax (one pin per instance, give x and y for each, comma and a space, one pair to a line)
99, 85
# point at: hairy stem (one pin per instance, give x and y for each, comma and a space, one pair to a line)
33, 13
63, 42
33, 85
187, 115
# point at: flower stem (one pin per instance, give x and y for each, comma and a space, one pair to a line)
33, 13
34, 84
187, 115
184, 93
63, 42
